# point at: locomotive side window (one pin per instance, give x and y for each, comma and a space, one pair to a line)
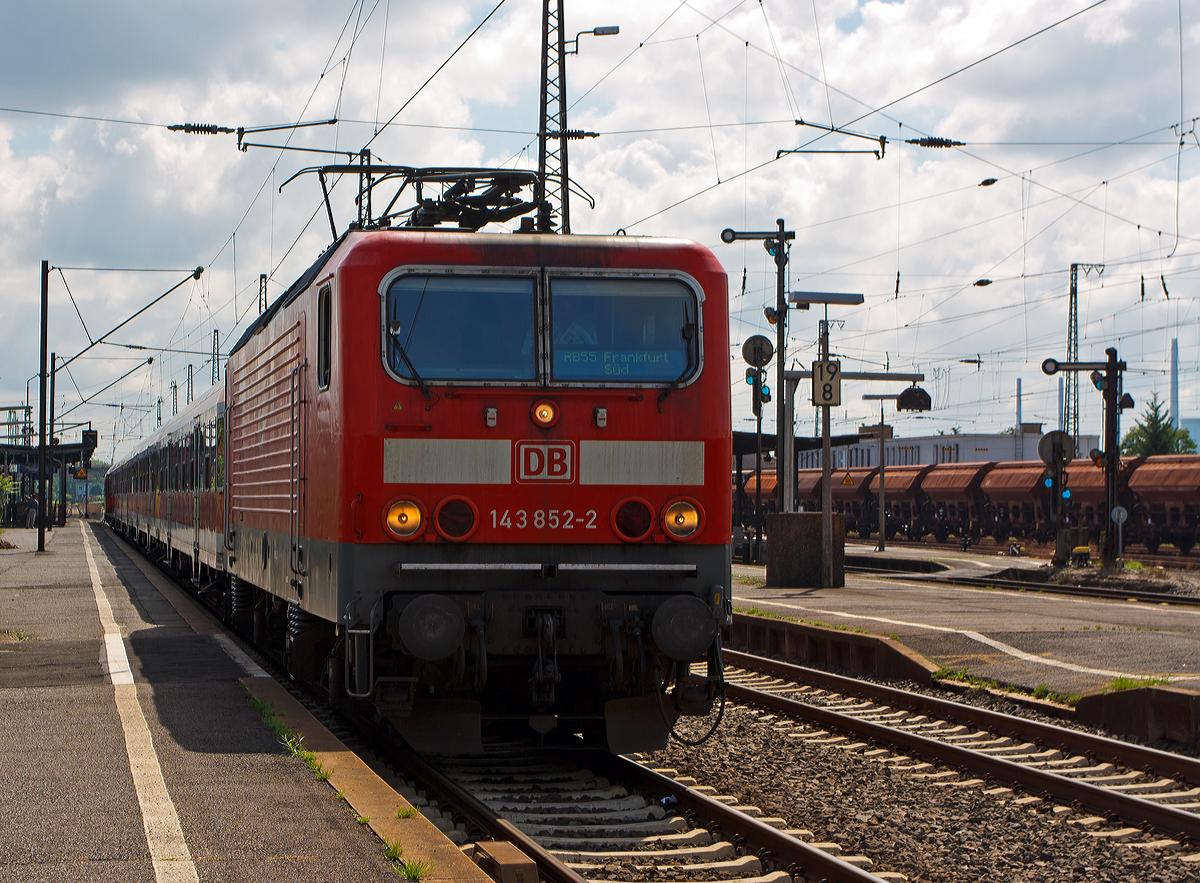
461, 328
614, 330
324, 346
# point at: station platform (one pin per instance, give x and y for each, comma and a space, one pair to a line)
131, 750
1069, 645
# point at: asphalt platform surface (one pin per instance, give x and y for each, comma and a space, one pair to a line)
1069, 644
160, 770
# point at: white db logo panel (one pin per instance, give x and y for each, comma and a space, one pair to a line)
545, 461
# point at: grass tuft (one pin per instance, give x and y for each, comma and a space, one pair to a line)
1134, 565
293, 743
408, 812
414, 868
945, 673
8, 636
393, 850
758, 611
1124, 683
363, 820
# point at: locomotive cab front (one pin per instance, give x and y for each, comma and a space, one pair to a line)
513, 477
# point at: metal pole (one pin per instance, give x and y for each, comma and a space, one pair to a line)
41, 493
882, 492
826, 474
758, 485
53, 517
1112, 453
62, 495
1072, 401
783, 423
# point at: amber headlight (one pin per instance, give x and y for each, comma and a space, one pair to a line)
681, 519
544, 414
404, 518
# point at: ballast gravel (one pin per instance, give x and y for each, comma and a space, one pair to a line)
904, 824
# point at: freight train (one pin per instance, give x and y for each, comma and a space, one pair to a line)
1012, 500
476, 482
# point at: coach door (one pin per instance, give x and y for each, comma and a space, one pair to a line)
297, 475
197, 474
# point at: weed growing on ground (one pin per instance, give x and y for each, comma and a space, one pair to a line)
292, 742
945, 673
767, 614
1124, 683
1134, 565
8, 636
751, 580
408, 812
363, 820
393, 850
414, 868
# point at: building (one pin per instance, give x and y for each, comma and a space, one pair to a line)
961, 448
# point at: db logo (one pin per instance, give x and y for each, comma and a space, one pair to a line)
541, 461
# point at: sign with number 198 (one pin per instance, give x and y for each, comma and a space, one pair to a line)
827, 383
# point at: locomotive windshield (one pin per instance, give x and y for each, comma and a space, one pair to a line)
461, 327
597, 330
614, 330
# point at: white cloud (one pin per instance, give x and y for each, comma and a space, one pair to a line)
83, 193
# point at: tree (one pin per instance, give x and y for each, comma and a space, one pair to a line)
1154, 434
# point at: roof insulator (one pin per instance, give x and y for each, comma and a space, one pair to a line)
935, 142
987, 182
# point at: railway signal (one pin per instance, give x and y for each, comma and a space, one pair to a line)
758, 351
1106, 377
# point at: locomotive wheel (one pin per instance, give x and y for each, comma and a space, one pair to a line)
1152, 546
1185, 546
941, 533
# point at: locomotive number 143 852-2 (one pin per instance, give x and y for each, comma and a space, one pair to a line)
555, 519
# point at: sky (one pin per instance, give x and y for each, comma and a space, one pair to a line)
1084, 114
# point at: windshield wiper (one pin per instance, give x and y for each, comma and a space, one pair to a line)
687, 332
394, 331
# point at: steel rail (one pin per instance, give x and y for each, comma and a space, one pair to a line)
1139, 757
984, 582
1165, 818
550, 869
757, 837
1056, 589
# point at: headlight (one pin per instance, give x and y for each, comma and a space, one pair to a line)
544, 414
681, 519
632, 520
404, 519
455, 518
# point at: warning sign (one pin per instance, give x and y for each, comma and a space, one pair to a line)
847, 481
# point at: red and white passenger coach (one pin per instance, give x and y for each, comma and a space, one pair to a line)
478, 480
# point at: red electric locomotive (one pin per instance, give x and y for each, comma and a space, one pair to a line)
480, 481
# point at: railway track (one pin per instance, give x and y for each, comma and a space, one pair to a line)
587, 816
1044, 551
578, 817
1142, 788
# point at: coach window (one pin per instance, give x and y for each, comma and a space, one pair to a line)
623, 330
451, 327
324, 334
